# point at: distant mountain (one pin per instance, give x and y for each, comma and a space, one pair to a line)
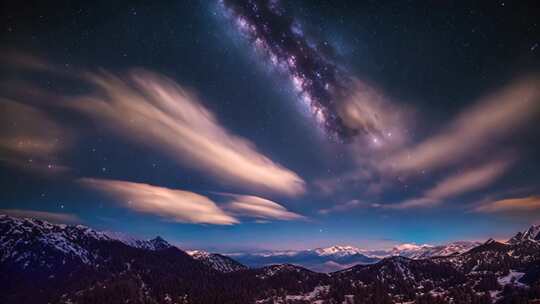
338, 251
427, 251
321, 259
48, 263
217, 261
492, 272
336, 258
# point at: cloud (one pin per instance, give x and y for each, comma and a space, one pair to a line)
171, 204
155, 111
16, 59
352, 204
261, 208
483, 129
345, 180
511, 205
469, 180
414, 203
476, 129
382, 123
55, 217
29, 137
460, 183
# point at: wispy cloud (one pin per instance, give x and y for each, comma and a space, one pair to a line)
486, 128
465, 181
511, 205
349, 205
55, 217
170, 204
476, 129
258, 207
381, 121
346, 181
468, 180
23, 60
157, 112
151, 110
29, 138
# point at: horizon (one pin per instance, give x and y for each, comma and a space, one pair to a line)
228, 126
366, 251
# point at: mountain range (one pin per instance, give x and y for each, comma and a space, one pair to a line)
336, 258
42, 262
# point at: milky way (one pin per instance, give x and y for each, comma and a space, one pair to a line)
319, 82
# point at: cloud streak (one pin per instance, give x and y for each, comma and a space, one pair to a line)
189, 207
171, 204
12, 58
511, 205
454, 185
476, 129
29, 137
469, 180
261, 208
352, 204
155, 111
381, 122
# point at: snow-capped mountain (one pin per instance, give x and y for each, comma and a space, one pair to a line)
492, 272
156, 243
76, 264
413, 251
217, 261
320, 259
339, 257
407, 250
531, 234
48, 263
338, 251
21, 239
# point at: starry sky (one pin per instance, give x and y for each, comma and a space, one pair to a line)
242, 125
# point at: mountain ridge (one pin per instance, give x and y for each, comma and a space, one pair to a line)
338, 257
217, 261
76, 264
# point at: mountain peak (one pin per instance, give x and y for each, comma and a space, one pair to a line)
409, 246
338, 250
218, 262
423, 251
198, 253
531, 234
159, 243
490, 241
156, 243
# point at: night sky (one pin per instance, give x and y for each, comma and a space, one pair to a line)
249, 125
